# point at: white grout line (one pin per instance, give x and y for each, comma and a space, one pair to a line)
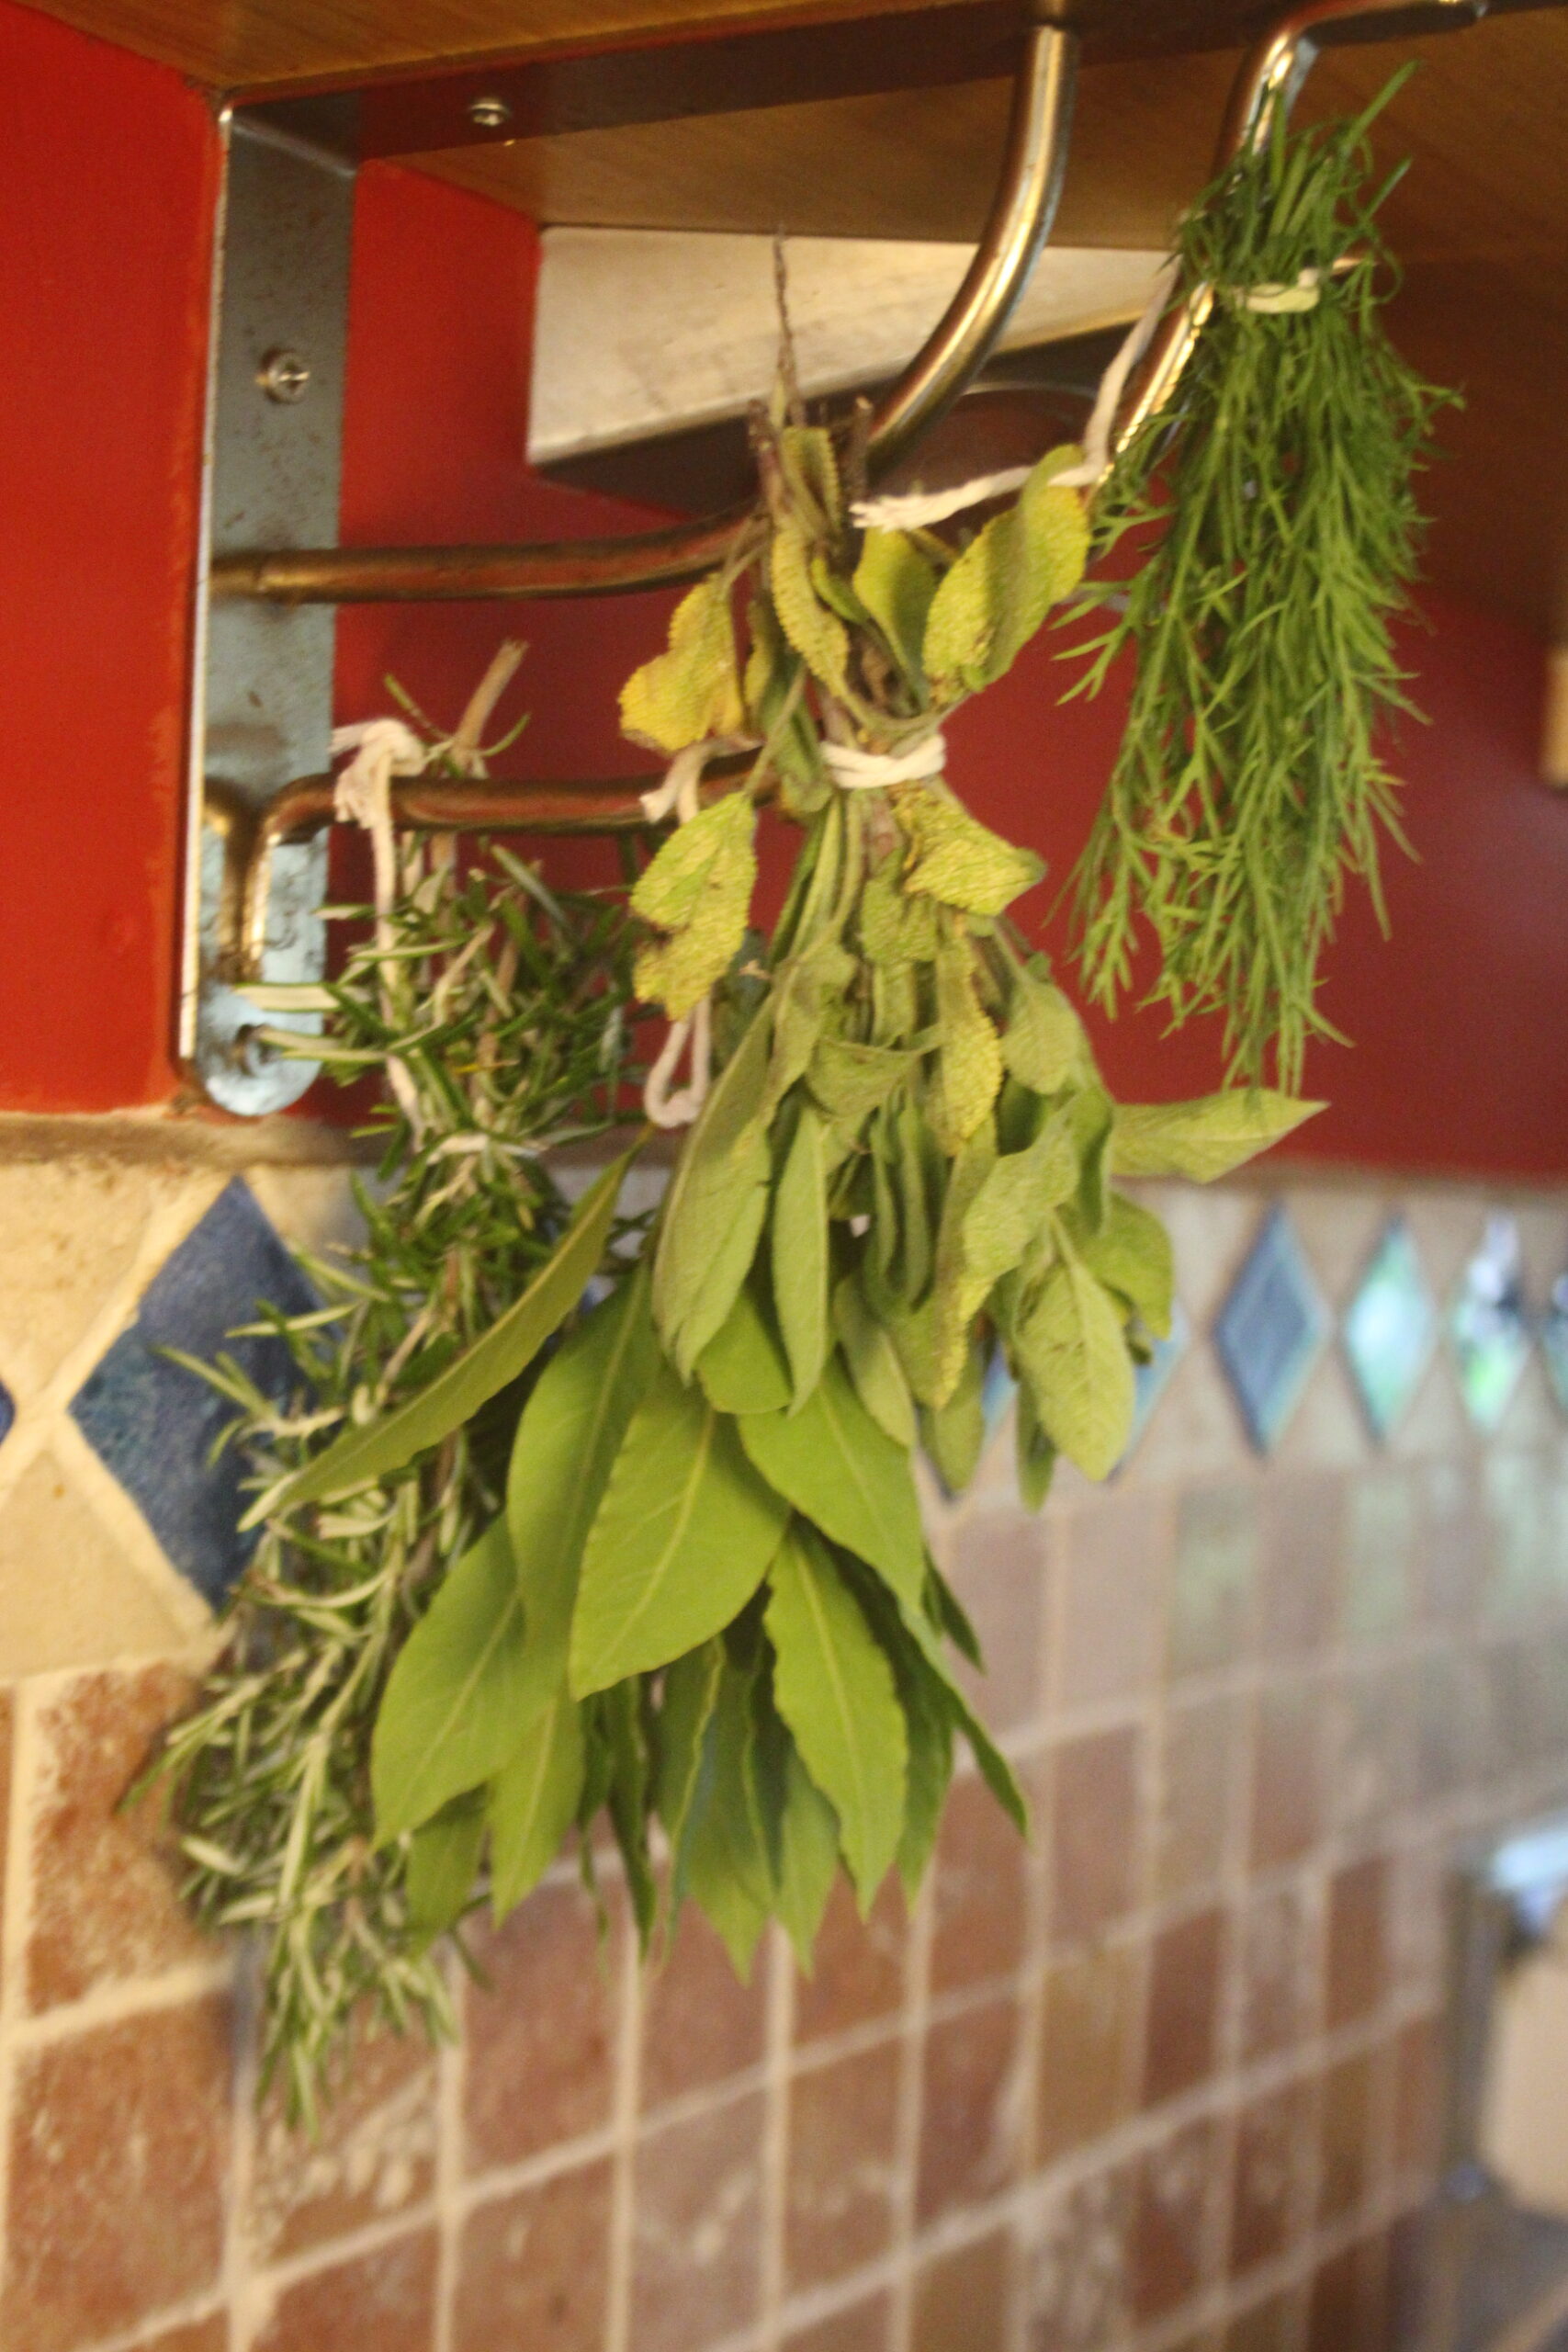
16, 1927
623, 2194
906, 2142
243, 2145
451, 2062
775, 2144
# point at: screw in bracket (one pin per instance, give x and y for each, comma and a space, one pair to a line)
489, 113
283, 376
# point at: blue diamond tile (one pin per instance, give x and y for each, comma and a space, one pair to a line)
155, 1423
998, 1395
1271, 1330
1489, 1329
1390, 1328
1554, 1339
1153, 1378
8, 1411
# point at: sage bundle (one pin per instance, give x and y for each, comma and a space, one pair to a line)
1272, 512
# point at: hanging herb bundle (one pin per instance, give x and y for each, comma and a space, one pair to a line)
709, 1605
1276, 524
501, 1009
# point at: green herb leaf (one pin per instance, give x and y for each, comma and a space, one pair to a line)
800, 1253
851, 1080
896, 584
997, 593
691, 691
691, 1693
444, 1854
716, 1205
969, 1070
371, 1450
533, 1802
819, 636
1205, 1138
1132, 1257
728, 1871
808, 1859
834, 1689
955, 1431
957, 860
698, 888
681, 1543
874, 1364
1037, 1456
1044, 1043
1072, 1347
846, 1476
449, 1717
743, 1369
930, 1729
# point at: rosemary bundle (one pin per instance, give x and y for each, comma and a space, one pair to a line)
708, 1605
502, 1009
1273, 513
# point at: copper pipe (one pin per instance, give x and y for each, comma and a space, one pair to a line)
1270, 77
1020, 222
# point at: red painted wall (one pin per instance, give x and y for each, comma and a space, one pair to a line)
1461, 1055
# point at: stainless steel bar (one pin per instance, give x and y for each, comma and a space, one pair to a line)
1022, 213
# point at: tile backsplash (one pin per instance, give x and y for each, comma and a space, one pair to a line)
1168, 2080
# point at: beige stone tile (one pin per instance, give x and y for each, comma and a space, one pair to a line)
1543, 1241
70, 1234
1195, 1431
312, 1208
1327, 1430
1534, 1417
1447, 1229
68, 1594
1436, 1427
1338, 1230
1211, 1229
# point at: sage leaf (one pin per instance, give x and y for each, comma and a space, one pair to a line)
1132, 1256
533, 1802
959, 861
834, 1689
1014, 1201
800, 1253
681, 1542
1206, 1139
896, 584
698, 888
969, 1068
692, 691
997, 593
808, 1861
819, 636
454, 1397
1072, 1347
449, 1717
716, 1205
874, 1364
846, 1476
444, 1855
743, 1369
805, 992
1044, 1043
954, 1432
853, 1080
567, 1440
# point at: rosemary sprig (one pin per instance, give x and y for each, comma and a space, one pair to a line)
505, 1006
1281, 528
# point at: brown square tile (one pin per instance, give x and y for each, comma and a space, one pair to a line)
858, 1971
541, 2031
1418, 2095
190, 2335
1088, 2045
1451, 1731
1304, 1538
1357, 1961
105, 1906
999, 1571
1382, 1519
374, 2154
1373, 1773
843, 2124
6, 1729
1178, 2182
969, 2115
1115, 1565
533, 2270
1273, 2156
1345, 2112
700, 2024
1080, 2284
1451, 1551
1199, 1782
962, 2299
118, 2152
1181, 2027
1094, 1833
1287, 1773
981, 1891
386, 2298
1217, 1559
1272, 2325
863, 2328
1349, 2309
696, 2267
1278, 1958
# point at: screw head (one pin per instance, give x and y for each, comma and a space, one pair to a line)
489, 113
283, 376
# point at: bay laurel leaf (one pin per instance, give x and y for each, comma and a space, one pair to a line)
1014, 1201
1035, 1454
716, 1205
896, 584
819, 636
444, 1855
805, 993
834, 1688
692, 691
955, 1431
1205, 1138
846, 1476
622, 1724
914, 1645
743, 1369
370, 1450
1073, 1350
691, 1693
808, 1859
851, 1080
1044, 1043
728, 1871
956, 860
448, 1718
534, 1802
874, 1364
929, 1727
800, 1253
680, 1540
1132, 1255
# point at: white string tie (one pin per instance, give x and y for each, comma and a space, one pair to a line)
382, 748
680, 797
1303, 296
917, 510
855, 770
